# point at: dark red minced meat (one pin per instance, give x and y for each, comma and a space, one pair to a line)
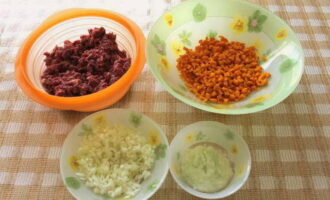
84, 66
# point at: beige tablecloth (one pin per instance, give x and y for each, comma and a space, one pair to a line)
289, 143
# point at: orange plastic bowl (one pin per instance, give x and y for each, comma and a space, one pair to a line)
69, 25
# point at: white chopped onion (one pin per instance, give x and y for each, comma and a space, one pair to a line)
114, 161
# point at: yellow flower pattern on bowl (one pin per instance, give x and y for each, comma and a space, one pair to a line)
73, 163
99, 123
163, 62
190, 138
259, 45
281, 34
168, 18
240, 170
154, 138
239, 24
177, 48
234, 149
260, 98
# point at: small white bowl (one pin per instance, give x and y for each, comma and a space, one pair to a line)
215, 132
129, 118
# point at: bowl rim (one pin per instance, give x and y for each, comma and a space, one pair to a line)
228, 111
162, 132
216, 123
87, 100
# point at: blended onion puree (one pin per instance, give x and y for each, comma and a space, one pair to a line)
205, 167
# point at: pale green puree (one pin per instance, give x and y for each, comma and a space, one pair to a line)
206, 168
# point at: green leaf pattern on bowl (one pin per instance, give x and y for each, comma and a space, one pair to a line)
72, 182
184, 36
159, 45
199, 12
85, 130
152, 186
135, 118
160, 151
256, 21
286, 66
200, 136
212, 34
229, 135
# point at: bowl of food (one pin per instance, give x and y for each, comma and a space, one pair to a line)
114, 154
228, 57
80, 59
209, 160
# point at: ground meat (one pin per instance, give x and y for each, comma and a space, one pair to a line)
84, 66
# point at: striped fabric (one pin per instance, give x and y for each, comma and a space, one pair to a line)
290, 143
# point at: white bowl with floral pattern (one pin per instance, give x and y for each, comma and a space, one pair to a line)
129, 118
212, 132
184, 25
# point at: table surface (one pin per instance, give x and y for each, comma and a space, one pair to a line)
289, 143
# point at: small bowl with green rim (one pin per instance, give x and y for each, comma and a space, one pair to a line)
214, 133
184, 25
129, 118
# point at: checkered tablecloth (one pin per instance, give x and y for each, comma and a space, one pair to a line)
289, 143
